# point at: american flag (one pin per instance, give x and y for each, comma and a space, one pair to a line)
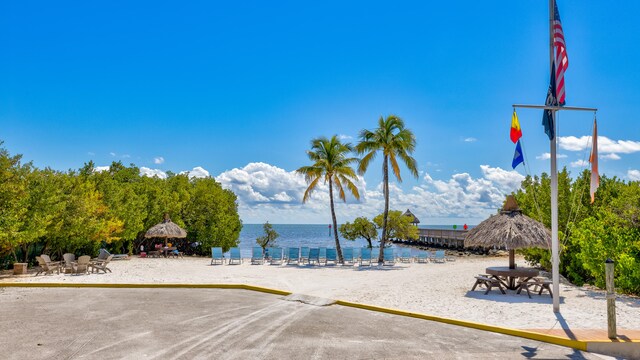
561, 60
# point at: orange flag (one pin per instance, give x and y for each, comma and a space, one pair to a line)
516, 132
593, 159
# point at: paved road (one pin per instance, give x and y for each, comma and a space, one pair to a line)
67, 323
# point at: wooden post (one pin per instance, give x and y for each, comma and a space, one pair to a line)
611, 299
512, 259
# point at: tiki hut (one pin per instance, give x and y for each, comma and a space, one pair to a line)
414, 219
509, 230
166, 230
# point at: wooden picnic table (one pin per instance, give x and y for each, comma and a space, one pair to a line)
508, 277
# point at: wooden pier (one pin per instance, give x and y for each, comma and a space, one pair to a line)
453, 239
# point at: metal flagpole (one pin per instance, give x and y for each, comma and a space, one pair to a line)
555, 260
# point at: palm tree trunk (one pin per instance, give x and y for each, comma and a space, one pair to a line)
385, 172
335, 225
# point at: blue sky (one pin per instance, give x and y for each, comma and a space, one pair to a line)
238, 90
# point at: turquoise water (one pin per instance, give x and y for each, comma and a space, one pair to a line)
303, 235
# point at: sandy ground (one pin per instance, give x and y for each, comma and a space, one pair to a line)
441, 289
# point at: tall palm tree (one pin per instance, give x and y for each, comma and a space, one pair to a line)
394, 141
332, 165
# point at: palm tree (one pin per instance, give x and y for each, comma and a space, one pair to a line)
394, 141
331, 164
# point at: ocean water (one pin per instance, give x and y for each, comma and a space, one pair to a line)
304, 235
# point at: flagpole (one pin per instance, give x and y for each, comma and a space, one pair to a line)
555, 261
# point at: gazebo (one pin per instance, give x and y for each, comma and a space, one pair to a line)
510, 230
414, 219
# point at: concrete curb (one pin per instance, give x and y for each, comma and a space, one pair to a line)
629, 349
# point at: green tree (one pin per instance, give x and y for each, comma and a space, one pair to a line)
332, 165
398, 226
360, 228
269, 237
394, 141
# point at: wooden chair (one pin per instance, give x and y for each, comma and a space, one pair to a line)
82, 265
47, 267
97, 265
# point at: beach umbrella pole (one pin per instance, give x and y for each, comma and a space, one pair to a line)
512, 259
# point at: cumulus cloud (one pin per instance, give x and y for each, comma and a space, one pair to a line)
145, 171
470, 139
100, 168
158, 160
633, 175
196, 172
579, 163
266, 192
611, 156
605, 145
547, 156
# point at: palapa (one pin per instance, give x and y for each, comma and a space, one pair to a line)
414, 219
166, 229
510, 230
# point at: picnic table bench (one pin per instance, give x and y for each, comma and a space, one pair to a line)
488, 282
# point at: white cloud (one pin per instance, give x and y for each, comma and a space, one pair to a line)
100, 168
345, 137
634, 175
158, 160
196, 172
112, 154
547, 156
611, 156
126, 156
145, 171
470, 139
605, 145
266, 192
579, 163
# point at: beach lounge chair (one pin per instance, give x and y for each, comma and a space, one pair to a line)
294, 255
388, 258
332, 256
47, 267
234, 256
216, 256
405, 255
314, 256
276, 256
105, 254
322, 255
439, 257
347, 256
82, 265
422, 257
257, 256
97, 265
69, 260
365, 256
304, 254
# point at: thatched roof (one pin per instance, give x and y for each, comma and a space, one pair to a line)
509, 229
414, 219
166, 229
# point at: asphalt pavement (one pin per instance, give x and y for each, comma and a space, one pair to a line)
93, 323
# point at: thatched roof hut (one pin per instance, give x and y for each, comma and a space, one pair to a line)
414, 219
166, 229
510, 230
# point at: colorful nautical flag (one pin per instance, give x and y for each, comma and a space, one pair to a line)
548, 117
517, 156
516, 132
593, 159
561, 59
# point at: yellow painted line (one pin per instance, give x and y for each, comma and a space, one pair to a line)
575, 344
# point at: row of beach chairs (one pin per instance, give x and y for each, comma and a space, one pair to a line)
324, 256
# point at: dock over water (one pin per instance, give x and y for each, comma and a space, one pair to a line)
453, 239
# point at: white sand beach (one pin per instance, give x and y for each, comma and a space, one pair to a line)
441, 289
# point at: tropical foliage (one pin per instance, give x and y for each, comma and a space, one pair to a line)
269, 237
332, 166
361, 227
589, 233
47, 211
399, 226
394, 141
